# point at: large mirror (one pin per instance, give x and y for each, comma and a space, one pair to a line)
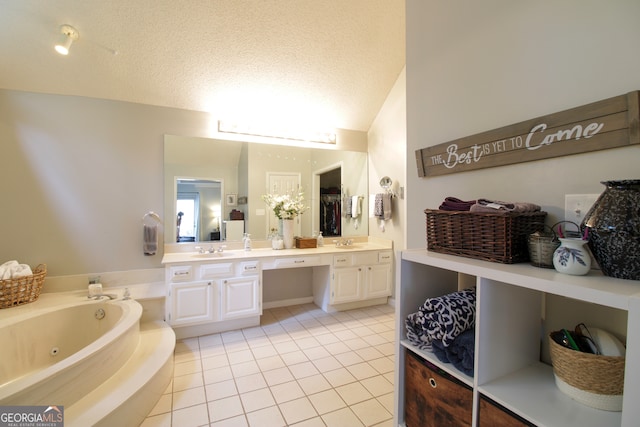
219, 185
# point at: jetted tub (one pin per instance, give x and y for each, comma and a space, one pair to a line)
59, 348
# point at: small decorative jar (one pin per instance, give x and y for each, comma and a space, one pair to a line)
572, 257
613, 224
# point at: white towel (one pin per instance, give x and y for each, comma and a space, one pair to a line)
355, 206
12, 270
386, 206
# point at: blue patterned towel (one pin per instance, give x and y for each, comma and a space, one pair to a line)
442, 318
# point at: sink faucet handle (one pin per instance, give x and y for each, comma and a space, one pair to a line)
222, 248
200, 249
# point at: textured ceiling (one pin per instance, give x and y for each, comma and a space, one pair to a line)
326, 62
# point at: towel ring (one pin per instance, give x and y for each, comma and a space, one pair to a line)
152, 215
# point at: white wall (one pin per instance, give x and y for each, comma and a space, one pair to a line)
477, 66
77, 175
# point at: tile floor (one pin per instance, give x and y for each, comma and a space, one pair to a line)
300, 367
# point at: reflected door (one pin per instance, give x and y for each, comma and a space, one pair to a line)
283, 183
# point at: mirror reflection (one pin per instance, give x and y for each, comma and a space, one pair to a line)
219, 185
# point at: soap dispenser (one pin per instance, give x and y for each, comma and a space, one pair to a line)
320, 239
247, 242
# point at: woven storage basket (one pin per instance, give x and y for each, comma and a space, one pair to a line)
593, 380
22, 290
486, 236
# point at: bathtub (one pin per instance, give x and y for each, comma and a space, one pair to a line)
58, 349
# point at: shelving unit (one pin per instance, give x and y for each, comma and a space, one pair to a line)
510, 310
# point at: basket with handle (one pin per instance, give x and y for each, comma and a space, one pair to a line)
542, 245
22, 290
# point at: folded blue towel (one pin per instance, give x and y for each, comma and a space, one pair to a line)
460, 353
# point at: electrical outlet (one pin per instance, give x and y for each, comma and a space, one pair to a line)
576, 206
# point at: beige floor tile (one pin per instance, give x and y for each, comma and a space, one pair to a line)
353, 393
245, 368
386, 400
213, 350
294, 357
263, 351
186, 368
377, 385
327, 401
216, 375
303, 370
232, 336
371, 412
286, 346
287, 391
313, 422
270, 363
250, 382
326, 364
362, 370
349, 358
220, 390
382, 365
297, 410
216, 361
188, 381
339, 377
224, 408
314, 384
268, 417
210, 340
278, 376
369, 353
239, 421
192, 416
342, 418
316, 353
257, 399
240, 356
190, 397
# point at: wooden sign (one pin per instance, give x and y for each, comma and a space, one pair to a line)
610, 123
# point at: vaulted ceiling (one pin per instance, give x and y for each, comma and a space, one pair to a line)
323, 62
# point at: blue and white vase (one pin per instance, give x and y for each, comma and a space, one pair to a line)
572, 257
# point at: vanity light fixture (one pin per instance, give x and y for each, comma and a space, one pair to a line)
264, 131
69, 35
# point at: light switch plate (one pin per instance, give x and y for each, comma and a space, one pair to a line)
577, 205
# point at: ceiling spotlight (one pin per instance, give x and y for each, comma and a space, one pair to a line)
69, 35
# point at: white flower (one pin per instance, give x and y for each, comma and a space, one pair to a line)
286, 206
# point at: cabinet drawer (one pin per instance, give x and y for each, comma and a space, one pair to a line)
493, 415
181, 273
363, 258
385, 257
218, 269
248, 267
342, 260
434, 398
289, 262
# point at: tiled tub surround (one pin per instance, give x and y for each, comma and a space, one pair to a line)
301, 366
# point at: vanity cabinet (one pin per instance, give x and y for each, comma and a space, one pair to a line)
360, 276
513, 316
207, 292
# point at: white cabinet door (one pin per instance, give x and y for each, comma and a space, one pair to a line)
378, 281
347, 285
240, 297
192, 303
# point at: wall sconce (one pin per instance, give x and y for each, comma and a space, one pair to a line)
69, 35
264, 131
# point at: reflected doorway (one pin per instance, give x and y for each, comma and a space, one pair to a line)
329, 202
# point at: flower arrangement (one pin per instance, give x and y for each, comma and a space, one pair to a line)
286, 206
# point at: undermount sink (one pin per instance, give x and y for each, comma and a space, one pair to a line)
210, 255
347, 247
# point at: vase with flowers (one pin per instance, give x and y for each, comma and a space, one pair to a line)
286, 207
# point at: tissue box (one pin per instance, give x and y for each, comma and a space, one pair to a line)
306, 242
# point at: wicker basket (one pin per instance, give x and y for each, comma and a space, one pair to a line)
22, 290
593, 380
486, 236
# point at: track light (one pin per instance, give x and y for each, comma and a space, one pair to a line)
69, 35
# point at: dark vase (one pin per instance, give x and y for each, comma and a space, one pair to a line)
614, 229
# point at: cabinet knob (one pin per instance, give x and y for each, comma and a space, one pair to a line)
209, 284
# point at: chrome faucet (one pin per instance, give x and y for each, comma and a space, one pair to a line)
211, 249
99, 296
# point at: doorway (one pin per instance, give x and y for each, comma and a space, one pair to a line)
329, 203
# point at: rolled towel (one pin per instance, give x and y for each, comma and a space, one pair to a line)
495, 206
442, 318
12, 269
348, 206
460, 353
150, 239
